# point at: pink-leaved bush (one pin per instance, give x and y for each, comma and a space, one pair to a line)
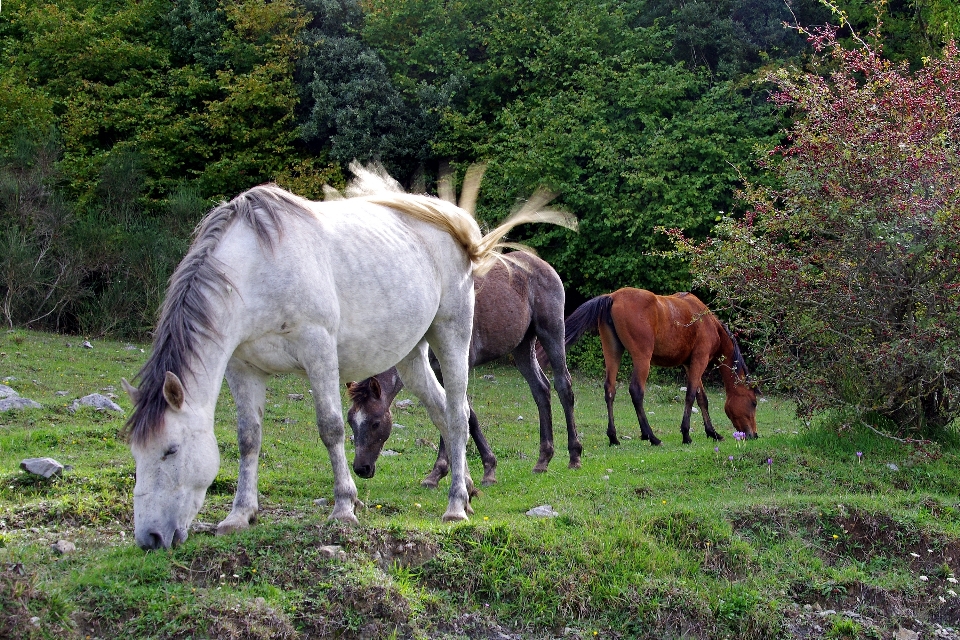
844, 276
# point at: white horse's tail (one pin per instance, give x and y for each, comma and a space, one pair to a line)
375, 186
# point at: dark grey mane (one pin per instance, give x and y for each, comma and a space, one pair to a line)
185, 316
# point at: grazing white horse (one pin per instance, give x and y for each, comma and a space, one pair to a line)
337, 291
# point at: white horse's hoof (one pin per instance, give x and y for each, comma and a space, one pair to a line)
233, 524
454, 516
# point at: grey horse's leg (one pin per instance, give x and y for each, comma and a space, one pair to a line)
248, 387
551, 338
526, 362
442, 466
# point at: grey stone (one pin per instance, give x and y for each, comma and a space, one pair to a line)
19, 403
906, 634
543, 511
130, 347
46, 467
490, 377
97, 401
60, 394
403, 404
7, 392
86, 345
893, 467
332, 551
390, 452
203, 527
294, 396
61, 547
321, 502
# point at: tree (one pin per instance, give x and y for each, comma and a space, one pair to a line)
847, 273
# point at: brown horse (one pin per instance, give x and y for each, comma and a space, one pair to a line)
518, 302
666, 331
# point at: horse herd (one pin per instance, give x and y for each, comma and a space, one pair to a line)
358, 288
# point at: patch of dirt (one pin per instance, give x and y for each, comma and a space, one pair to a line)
26, 612
249, 621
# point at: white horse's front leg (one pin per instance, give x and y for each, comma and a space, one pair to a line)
320, 362
248, 387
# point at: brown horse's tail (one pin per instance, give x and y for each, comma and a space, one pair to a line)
587, 317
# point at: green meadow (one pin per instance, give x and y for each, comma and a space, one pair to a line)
793, 535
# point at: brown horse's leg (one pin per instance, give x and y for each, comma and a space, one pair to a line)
638, 383
694, 388
486, 453
707, 424
442, 466
612, 354
526, 362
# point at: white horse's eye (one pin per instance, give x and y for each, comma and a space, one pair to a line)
171, 451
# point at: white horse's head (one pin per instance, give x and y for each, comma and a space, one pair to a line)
176, 462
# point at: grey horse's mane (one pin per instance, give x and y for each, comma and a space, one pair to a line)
186, 312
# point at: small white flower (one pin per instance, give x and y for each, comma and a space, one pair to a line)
952, 579
952, 592
924, 578
915, 555
941, 599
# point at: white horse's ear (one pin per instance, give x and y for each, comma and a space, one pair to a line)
131, 390
375, 388
173, 391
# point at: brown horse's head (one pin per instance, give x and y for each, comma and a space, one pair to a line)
370, 420
741, 407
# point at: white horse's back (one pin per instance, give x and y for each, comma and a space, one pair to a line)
372, 277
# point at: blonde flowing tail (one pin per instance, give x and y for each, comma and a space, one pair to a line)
373, 184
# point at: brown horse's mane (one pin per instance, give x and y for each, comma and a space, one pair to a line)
359, 392
739, 363
186, 313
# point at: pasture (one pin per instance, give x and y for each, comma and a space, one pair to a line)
790, 535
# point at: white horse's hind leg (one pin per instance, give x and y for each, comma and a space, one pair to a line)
420, 380
319, 357
450, 341
248, 387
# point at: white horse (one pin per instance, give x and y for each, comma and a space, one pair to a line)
337, 291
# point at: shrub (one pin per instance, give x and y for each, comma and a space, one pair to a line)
846, 274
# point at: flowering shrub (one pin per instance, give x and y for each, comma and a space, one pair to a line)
846, 273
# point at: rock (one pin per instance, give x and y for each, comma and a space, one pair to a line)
7, 392
321, 502
203, 527
543, 511
403, 404
490, 377
130, 347
46, 467
61, 547
61, 394
332, 551
19, 403
294, 396
519, 418
9, 379
397, 425
86, 345
893, 467
97, 401
390, 452
906, 634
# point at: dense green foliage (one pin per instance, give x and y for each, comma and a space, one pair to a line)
121, 122
650, 542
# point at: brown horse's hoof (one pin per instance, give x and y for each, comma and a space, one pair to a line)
655, 441
574, 464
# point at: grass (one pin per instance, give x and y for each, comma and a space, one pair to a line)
668, 542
